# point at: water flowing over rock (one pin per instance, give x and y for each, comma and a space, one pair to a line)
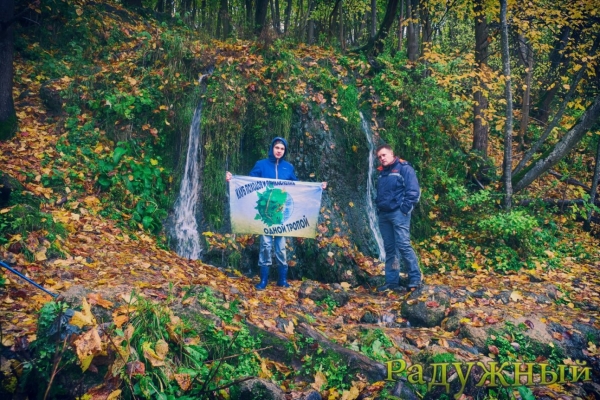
185, 229
370, 188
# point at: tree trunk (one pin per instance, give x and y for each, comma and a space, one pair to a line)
260, 16
373, 19
332, 16
412, 36
557, 58
342, 38
275, 19
288, 16
527, 56
311, 23
427, 29
558, 116
8, 116
509, 109
571, 138
588, 223
248, 5
386, 24
223, 24
400, 27
481, 126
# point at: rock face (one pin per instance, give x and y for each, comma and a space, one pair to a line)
427, 306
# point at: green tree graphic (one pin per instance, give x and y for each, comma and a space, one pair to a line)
270, 205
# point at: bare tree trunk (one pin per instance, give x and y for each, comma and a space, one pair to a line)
373, 19
223, 23
248, 6
260, 16
400, 27
508, 192
566, 143
311, 22
288, 16
275, 17
558, 65
8, 116
588, 223
412, 35
427, 29
558, 116
527, 56
481, 126
342, 38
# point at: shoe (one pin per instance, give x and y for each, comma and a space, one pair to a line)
414, 286
282, 279
389, 286
264, 277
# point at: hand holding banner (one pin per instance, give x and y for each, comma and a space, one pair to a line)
274, 207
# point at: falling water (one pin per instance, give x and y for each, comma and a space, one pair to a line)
370, 189
186, 228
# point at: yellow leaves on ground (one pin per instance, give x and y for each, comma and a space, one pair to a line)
320, 381
87, 346
516, 296
84, 317
157, 356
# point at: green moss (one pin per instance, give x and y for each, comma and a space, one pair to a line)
8, 127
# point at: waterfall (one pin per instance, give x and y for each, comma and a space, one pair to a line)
185, 229
370, 189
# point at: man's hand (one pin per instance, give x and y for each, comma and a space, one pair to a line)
323, 185
228, 176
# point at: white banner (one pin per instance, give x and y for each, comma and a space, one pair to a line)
274, 207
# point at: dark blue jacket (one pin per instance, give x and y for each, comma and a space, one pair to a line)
397, 187
273, 168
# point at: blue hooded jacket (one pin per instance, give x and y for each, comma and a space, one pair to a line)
273, 168
397, 187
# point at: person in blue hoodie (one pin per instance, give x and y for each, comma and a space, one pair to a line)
274, 167
397, 193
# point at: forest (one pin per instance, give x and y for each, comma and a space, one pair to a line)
121, 275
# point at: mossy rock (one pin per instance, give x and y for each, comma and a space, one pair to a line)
51, 97
12, 192
8, 127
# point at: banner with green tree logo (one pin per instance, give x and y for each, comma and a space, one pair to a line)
274, 207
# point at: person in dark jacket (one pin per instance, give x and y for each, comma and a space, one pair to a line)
274, 167
397, 193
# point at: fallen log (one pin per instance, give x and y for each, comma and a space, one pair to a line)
356, 362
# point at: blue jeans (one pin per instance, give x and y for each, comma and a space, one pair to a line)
395, 231
266, 244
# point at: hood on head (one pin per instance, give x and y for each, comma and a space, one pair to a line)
271, 155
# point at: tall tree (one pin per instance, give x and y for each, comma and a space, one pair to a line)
480, 101
288, 16
376, 43
260, 16
373, 24
8, 116
508, 192
526, 57
594, 189
310, 36
401, 25
412, 33
560, 149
